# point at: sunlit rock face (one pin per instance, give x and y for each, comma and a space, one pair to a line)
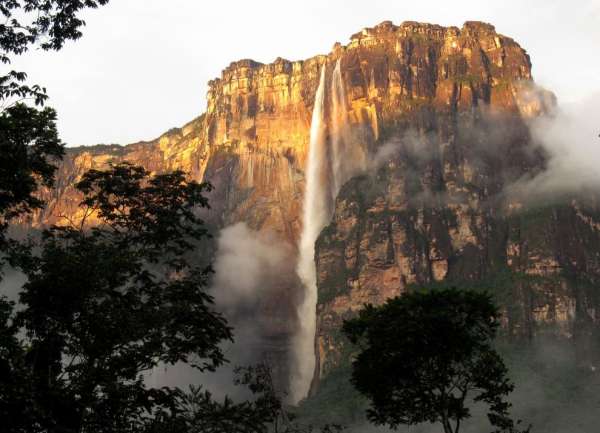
443, 112
252, 140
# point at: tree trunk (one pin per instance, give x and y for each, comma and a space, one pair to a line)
447, 426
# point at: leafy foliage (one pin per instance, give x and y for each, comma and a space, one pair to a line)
103, 305
159, 213
29, 148
13, 88
197, 412
425, 354
28, 136
28, 145
46, 24
17, 413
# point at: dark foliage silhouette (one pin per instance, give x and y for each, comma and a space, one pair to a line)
197, 412
425, 356
43, 24
29, 148
29, 143
104, 305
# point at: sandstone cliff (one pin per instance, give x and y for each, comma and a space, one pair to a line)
252, 140
443, 111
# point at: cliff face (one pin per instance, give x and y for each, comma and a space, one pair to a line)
443, 112
253, 139
438, 206
433, 223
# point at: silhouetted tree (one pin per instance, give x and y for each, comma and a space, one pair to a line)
425, 355
105, 304
43, 24
29, 147
17, 406
196, 411
29, 144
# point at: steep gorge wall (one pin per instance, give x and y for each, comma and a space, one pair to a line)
451, 106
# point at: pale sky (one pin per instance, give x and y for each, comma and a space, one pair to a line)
142, 65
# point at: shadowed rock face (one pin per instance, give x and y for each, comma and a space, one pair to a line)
442, 218
443, 112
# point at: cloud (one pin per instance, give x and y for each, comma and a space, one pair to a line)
254, 287
246, 263
549, 157
570, 138
410, 144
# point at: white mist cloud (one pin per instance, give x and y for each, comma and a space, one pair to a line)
250, 267
572, 139
252, 271
411, 144
570, 136
246, 263
385, 152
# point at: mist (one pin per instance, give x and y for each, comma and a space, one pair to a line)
566, 140
411, 144
570, 138
247, 262
250, 268
550, 394
11, 283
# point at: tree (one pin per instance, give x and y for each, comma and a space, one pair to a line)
29, 148
16, 403
425, 355
44, 24
197, 412
29, 143
105, 304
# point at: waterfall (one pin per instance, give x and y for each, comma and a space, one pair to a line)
331, 162
316, 210
339, 128
347, 153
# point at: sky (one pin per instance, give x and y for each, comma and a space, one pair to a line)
142, 66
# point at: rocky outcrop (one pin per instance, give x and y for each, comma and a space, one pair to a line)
443, 112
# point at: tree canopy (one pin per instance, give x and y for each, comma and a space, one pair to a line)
29, 143
425, 356
29, 150
105, 304
44, 24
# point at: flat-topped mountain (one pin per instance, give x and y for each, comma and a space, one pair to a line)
443, 115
